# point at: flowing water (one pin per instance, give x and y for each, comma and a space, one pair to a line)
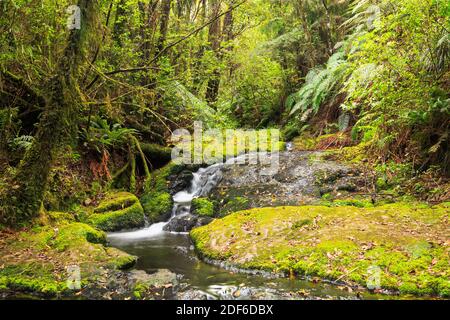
159, 249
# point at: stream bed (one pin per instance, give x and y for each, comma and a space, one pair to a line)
199, 280
158, 248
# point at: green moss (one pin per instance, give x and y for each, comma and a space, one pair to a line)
116, 201
157, 205
304, 143
301, 223
31, 277
203, 207
355, 202
156, 152
158, 182
139, 290
60, 217
327, 141
327, 196
341, 242
127, 218
444, 205
234, 204
354, 154
76, 234
52, 248
156, 201
363, 203
124, 262
118, 211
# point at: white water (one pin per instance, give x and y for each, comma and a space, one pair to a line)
152, 231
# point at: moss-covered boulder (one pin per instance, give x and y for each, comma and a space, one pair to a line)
71, 234
157, 201
157, 206
57, 217
162, 281
406, 244
203, 207
156, 153
232, 204
117, 212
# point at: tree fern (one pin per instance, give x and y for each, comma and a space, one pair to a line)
320, 86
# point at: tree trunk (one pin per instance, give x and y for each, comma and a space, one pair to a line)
214, 38
198, 55
301, 11
164, 24
58, 124
149, 21
329, 29
120, 22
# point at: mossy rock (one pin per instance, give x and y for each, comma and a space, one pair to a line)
304, 143
119, 211
56, 217
157, 201
31, 277
122, 261
116, 201
233, 204
156, 153
145, 283
354, 154
157, 206
203, 207
75, 234
338, 242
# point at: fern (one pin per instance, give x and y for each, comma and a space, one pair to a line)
320, 86
22, 142
103, 135
363, 15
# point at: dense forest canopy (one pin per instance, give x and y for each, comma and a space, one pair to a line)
139, 69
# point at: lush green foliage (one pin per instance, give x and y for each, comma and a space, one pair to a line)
393, 69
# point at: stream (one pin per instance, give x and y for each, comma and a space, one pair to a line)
159, 249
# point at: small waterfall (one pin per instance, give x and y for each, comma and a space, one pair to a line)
204, 180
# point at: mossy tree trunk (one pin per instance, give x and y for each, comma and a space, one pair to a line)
58, 125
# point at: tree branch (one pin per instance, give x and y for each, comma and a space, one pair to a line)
173, 44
